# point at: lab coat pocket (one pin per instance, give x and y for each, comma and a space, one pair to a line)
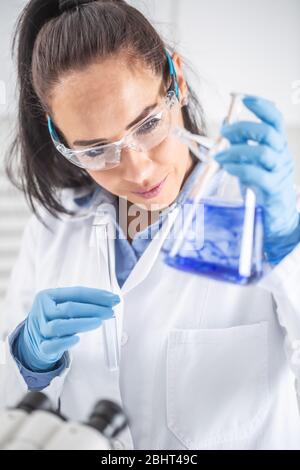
217, 384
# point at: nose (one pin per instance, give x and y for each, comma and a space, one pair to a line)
137, 167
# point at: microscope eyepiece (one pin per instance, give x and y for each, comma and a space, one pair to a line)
108, 418
35, 401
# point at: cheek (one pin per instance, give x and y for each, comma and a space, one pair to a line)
109, 180
169, 153
173, 155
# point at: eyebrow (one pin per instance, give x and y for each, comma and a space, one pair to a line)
143, 114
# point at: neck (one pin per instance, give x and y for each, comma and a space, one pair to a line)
134, 219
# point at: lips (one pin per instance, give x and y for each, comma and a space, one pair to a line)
153, 191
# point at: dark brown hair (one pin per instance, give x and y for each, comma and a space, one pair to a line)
50, 42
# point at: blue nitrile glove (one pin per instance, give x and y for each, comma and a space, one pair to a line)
56, 317
267, 167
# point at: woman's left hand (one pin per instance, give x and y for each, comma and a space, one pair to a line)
267, 168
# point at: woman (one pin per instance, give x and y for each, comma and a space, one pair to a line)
202, 363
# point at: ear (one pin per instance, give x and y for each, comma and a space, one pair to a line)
183, 89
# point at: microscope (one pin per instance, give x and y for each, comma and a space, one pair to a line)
34, 425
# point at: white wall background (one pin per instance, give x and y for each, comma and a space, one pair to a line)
237, 45
233, 45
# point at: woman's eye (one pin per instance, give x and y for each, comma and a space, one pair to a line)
149, 126
96, 152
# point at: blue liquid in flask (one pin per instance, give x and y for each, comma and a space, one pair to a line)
218, 257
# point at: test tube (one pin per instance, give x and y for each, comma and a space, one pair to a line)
109, 327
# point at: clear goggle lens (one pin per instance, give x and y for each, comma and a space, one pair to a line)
151, 133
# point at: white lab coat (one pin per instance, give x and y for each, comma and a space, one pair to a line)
204, 365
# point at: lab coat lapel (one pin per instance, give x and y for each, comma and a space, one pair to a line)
148, 258
142, 267
146, 261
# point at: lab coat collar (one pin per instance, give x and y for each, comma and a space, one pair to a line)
148, 258
107, 208
106, 212
94, 197
101, 203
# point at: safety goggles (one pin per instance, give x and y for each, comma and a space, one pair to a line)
144, 136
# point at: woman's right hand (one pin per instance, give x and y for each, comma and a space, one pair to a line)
57, 316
